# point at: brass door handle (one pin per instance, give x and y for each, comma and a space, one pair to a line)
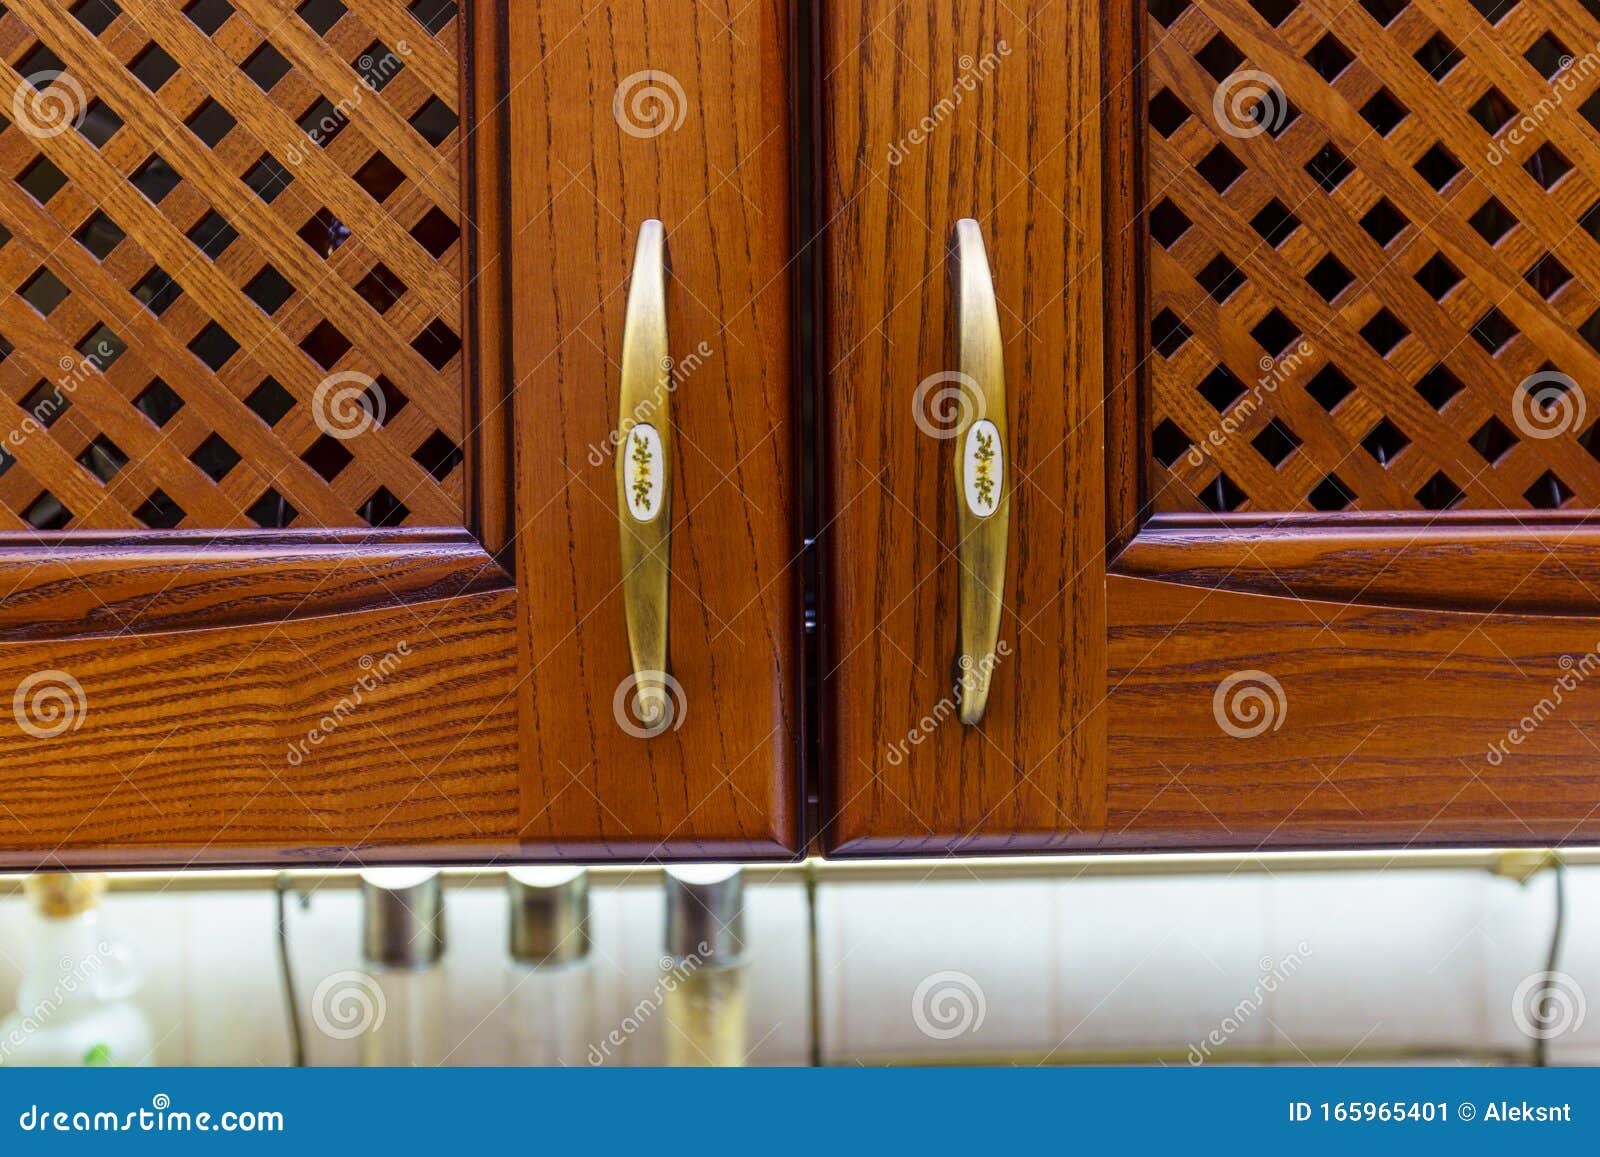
982, 474
644, 475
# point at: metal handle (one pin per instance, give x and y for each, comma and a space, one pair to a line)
644, 473
983, 485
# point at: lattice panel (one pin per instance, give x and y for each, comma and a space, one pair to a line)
231, 234
1373, 259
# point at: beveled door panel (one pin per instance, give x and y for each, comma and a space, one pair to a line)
933, 114
1352, 598
251, 609
621, 115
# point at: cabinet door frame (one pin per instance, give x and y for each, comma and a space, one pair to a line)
1395, 657
190, 696
725, 779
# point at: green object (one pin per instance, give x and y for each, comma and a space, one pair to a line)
99, 1055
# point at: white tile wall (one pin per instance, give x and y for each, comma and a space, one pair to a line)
1297, 962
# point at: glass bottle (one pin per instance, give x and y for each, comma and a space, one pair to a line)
704, 970
550, 979
75, 1004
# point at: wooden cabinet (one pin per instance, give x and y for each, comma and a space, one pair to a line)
310, 364
1308, 557
408, 413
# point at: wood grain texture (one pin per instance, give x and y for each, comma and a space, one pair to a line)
1127, 413
935, 113
489, 496
176, 748
1383, 735
1460, 561
620, 113
227, 696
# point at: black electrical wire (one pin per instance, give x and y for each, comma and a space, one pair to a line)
1541, 1042
291, 1002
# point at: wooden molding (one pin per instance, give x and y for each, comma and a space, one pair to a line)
1466, 561
93, 584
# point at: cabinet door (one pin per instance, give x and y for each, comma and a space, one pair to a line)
1360, 605
934, 114
252, 476
1311, 560
621, 115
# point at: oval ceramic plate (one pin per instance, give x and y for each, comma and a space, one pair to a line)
642, 472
